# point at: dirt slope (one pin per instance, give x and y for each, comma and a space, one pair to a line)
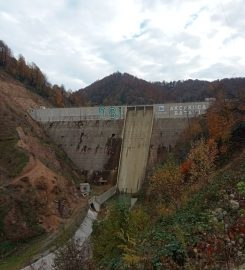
37, 180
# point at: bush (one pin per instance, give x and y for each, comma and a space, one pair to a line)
165, 183
73, 256
202, 156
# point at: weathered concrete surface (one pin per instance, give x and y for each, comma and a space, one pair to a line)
92, 136
87, 143
135, 147
78, 114
165, 133
96, 201
180, 110
169, 110
102, 198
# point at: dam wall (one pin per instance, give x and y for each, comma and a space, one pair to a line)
92, 137
89, 144
165, 133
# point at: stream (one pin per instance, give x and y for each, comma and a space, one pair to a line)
81, 234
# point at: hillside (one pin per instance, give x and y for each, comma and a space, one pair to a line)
190, 212
119, 89
31, 76
37, 181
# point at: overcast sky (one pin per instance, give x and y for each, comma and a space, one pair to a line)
76, 42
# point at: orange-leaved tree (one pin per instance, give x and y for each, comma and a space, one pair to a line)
185, 168
221, 119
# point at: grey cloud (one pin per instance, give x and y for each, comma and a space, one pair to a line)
195, 16
230, 38
231, 15
188, 40
218, 71
71, 40
153, 61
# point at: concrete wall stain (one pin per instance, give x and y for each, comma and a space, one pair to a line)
92, 136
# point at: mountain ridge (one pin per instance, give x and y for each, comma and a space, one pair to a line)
123, 88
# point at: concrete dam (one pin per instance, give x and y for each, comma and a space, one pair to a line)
118, 143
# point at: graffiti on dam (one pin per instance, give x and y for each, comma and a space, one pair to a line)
112, 112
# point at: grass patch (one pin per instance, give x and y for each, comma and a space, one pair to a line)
12, 158
25, 251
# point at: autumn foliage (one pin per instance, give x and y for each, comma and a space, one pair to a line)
201, 157
220, 120
32, 77
165, 183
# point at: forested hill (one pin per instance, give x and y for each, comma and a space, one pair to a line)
118, 89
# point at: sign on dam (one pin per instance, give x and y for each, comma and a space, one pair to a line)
118, 142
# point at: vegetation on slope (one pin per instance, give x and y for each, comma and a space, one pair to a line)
32, 77
192, 206
37, 180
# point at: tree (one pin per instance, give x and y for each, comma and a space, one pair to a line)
117, 238
105, 238
5, 54
59, 95
220, 119
133, 238
202, 157
165, 183
22, 68
185, 168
